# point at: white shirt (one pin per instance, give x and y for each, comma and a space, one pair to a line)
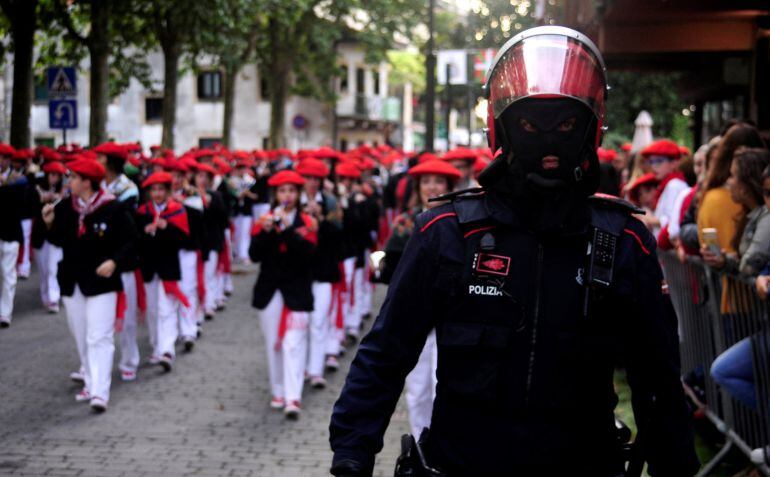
666, 210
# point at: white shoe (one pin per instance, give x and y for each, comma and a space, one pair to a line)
77, 376
758, 456
53, 308
153, 359
128, 375
83, 396
292, 410
317, 382
277, 403
98, 404
165, 362
332, 364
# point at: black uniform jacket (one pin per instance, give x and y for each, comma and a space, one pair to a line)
215, 222
286, 264
109, 234
525, 378
159, 252
10, 217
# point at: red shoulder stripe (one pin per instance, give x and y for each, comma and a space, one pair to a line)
480, 229
638, 240
436, 219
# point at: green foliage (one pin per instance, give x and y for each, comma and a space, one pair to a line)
633, 92
407, 67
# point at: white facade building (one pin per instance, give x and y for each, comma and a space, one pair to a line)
135, 115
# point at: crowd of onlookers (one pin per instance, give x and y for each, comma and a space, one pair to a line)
714, 204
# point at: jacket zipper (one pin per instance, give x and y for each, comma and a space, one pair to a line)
538, 284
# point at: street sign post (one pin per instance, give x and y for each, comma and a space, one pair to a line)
62, 99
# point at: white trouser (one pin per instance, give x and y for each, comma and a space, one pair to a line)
162, 317
320, 327
366, 286
212, 281
226, 277
361, 291
242, 237
286, 365
129, 349
24, 266
92, 321
352, 315
47, 259
9, 253
188, 316
258, 210
335, 335
421, 387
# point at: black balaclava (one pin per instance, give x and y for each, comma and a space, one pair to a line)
549, 200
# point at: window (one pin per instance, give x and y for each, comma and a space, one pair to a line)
41, 89
153, 109
376, 76
360, 80
209, 142
265, 143
343, 76
264, 89
210, 85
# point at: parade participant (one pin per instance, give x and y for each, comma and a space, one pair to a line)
527, 322
97, 238
643, 192
47, 255
21, 162
13, 186
326, 271
432, 179
283, 242
663, 156
463, 159
215, 222
244, 186
191, 266
224, 268
356, 239
163, 228
113, 157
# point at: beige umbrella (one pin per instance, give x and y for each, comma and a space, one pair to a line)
642, 132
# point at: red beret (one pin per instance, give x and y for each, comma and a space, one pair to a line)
205, 152
54, 168
348, 169
685, 151
480, 165
111, 149
646, 179
326, 152
427, 156
664, 147
460, 153
22, 155
222, 165
6, 149
49, 155
158, 178
175, 165
207, 168
88, 168
285, 177
626, 147
438, 167
313, 168
367, 164
606, 155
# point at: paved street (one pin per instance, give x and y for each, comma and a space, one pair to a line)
209, 417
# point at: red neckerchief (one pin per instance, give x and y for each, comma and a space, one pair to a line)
667, 179
174, 214
95, 202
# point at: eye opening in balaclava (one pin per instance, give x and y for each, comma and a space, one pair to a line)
534, 132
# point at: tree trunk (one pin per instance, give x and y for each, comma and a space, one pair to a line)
98, 48
231, 73
23, 31
171, 54
278, 92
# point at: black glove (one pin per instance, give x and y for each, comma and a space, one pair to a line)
348, 468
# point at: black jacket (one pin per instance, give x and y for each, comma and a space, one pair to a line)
328, 253
109, 234
215, 222
525, 379
10, 217
159, 253
359, 221
286, 265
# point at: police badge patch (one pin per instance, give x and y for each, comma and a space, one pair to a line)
492, 264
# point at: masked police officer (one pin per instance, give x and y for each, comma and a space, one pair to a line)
536, 291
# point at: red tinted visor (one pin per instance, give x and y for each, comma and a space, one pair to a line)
548, 65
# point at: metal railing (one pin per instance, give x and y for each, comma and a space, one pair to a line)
717, 311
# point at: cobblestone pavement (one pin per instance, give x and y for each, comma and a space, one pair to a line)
209, 417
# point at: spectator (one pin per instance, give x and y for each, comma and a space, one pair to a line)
663, 158
688, 227
718, 209
643, 192
752, 237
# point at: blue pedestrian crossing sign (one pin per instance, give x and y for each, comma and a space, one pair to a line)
63, 114
62, 82
62, 102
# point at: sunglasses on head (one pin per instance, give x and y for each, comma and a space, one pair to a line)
655, 160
